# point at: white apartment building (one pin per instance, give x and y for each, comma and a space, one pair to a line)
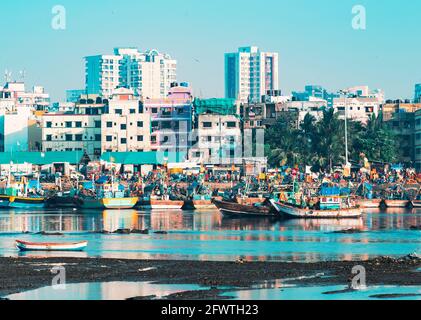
302, 108
125, 128
13, 95
250, 74
148, 74
358, 109
219, 139
72, 132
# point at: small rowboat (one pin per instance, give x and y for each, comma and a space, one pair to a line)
416, 203
39, 246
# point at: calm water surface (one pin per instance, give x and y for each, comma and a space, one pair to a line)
209, 236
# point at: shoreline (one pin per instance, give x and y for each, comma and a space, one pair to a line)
23, 274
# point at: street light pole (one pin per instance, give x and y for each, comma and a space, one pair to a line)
346, 134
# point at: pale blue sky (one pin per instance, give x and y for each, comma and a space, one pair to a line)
314, 38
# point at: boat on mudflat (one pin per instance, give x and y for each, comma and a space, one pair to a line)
396, 203
233, 209
306, 213
369, 203
47, 246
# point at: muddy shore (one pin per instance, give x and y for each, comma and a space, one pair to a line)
22, 274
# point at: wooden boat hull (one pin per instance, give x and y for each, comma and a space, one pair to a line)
29, 246
233, 209
63, 202
416, 203
119, 203
396, 203
199, 204
249, 201
27, 203
294, 212
4, 201
162, 204
369, 203
93, 204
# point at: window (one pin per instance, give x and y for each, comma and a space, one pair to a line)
97, 137
231, 124
68, 124
69, 137
49, 124
207, 124
132, 111
78, 124
78, 137
123, 126
209, 139
109, 124
49, 137
49, 149
140, 124
109, 138
154, 110
139, 138
98, 124
123, 140
118, 111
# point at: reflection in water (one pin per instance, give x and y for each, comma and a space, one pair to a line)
209, 236
103, 291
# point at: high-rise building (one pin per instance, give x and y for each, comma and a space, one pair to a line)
250, 74
148, 74
417, 96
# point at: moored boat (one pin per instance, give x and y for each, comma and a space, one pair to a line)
416, 203
233, 209
46, 246
27, 202
296, 212
161, 203
4, 201
119, 202
369, 203
396, 203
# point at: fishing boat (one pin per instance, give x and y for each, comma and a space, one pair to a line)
199, 197
4, 201
396, 197
161, 203
63, 200
118, 200
40, 246
233, 209
331, 202
396, 203
369, 203
296, 212
416, 203
27, 202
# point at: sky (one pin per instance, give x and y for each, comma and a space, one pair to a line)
314, 38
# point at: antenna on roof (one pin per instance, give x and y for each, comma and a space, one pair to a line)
7, 76
22, 75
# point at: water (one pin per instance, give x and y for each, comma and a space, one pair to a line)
209, 236
316, 293
104, 291
124, 290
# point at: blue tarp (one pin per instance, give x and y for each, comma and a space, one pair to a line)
330, 191
33, 184
102, 180
88, 185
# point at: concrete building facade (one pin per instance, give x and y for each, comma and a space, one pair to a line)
250, 74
